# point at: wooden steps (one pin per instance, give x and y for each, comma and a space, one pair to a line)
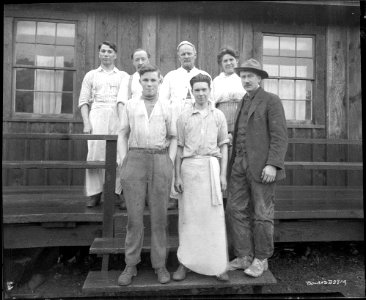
99, 283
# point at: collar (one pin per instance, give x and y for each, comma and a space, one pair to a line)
210, 107
250, 97
185, 71
114, 70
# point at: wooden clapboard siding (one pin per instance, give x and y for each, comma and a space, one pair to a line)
188, 29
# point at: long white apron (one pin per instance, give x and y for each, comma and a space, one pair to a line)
104, 120
202, 232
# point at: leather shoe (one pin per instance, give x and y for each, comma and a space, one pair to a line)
257, 267
240, 263
126, 276
181, 273
163, 275
173, 203
94, 200
223, 277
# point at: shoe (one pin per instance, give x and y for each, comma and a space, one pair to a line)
181, 273
163, 275
223, 277
173, 203
257, 267
94, 200
240, 263
126, 276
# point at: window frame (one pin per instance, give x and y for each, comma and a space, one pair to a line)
319, 100
12, 15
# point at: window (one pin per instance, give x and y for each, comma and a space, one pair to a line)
44, 67
289, 61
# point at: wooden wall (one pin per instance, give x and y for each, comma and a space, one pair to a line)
159, 28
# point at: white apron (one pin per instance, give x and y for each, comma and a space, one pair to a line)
202, 232
104, 120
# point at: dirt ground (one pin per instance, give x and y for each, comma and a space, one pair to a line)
300, 268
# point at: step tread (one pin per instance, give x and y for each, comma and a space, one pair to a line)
99, 282
117, 245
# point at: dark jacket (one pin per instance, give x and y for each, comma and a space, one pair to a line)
266, 135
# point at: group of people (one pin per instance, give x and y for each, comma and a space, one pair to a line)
190, 138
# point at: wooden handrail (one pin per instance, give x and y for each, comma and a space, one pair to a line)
52, 164
320, 165
60, 136
324, 141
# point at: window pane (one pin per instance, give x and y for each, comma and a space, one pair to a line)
287, 67
304, 47
45, 80
26, 31
270, 64
289, 106
68, 80
303, 90
304, 67
24, 102
65, 34
271, 85
286, 89
46, 32
287, 46
64, 56
45, 56
270, 45
303, 110
24, 79
47, 103
66, 107
25, 54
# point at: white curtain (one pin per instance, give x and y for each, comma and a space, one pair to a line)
47, 84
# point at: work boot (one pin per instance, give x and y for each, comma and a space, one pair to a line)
180, 274
126, 276
163, 275
223, 277
240, 263
93, 200
257, 267
173, 203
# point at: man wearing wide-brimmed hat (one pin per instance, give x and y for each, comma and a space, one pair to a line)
257, 163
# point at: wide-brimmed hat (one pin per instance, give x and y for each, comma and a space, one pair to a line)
252, 65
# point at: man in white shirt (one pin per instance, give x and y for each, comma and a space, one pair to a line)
147, 146
130, 86
176, 88
98, 106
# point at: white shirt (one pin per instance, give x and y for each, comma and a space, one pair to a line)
136, 88
100, 86
227, 88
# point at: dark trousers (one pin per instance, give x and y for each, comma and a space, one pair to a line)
146, 174
250, 213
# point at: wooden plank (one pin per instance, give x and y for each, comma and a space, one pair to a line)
189, 31
42, 164
36, 152
105, 283
302, 152
91, 48
127, 41
324, 165
336, 81
59, 136
167, 43
319, 231
246, 38
33, 189
209, 43
30, 235
324, 141
148, 35
229, 33
117, 245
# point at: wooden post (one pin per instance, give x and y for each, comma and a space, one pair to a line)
109, 187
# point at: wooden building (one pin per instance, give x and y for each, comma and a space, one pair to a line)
311, 50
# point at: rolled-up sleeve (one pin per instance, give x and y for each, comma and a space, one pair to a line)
222, 135
86, 89
171, 121
125, 122
122, 95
